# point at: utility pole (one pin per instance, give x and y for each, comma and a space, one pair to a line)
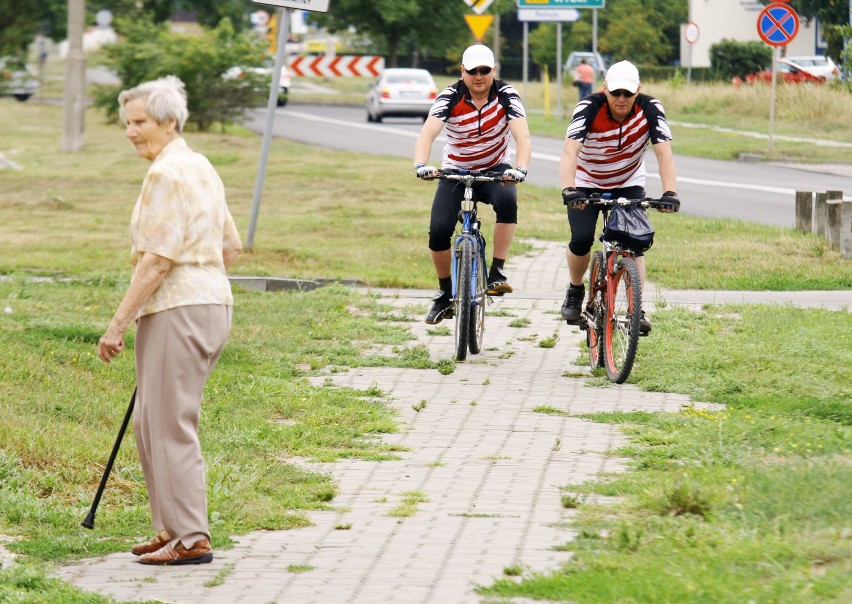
74, 98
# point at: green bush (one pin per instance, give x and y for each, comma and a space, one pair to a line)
149, 51
738, 59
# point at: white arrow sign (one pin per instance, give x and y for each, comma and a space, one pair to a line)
317, 6
478, 6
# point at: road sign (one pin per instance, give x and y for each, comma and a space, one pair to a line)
560, 4
317, 6
547, 14
478, 6
479, 24
777, 24
691, 32
342, 66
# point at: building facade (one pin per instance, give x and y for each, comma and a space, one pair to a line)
718, 20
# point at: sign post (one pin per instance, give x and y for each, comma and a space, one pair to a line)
777, 25
691, 33
272, 103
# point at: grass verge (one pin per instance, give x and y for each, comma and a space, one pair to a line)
85, 199
747, 504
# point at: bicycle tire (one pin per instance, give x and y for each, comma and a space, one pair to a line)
621, 329
477, 316
596, 308
464, 258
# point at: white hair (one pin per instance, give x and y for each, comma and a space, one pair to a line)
166, 100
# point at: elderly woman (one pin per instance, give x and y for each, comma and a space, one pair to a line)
182, 240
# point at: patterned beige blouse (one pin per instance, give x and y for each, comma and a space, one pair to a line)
181, 215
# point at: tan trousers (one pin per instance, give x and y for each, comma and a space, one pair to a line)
176, 351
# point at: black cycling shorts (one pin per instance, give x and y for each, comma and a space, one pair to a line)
583, 222
447, 204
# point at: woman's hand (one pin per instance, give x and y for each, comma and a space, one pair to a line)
110, 345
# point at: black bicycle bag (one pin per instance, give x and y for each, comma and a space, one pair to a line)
631, 227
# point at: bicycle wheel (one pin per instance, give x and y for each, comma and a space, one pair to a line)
621, 329
477, 315
464, 258
595, 310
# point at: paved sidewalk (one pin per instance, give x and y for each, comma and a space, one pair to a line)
488, 466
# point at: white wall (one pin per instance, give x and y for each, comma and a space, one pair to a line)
735, 20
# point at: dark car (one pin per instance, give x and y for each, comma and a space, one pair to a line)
788, 72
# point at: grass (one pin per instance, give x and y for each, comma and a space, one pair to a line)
88, 197
749, 503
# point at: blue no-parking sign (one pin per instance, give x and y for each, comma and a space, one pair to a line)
777, 24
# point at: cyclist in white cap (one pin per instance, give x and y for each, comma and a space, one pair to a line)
479, 112
604, 152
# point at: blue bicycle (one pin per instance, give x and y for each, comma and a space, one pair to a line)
469, 268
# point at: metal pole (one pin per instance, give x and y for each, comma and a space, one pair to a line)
280, 54
74, 95
772, 96
526, 58
559, 111
689, 64
496, 44
595, 48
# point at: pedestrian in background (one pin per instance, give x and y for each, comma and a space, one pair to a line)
584, 77
182, 240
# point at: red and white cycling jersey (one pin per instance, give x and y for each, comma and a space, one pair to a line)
613, 154
477, 139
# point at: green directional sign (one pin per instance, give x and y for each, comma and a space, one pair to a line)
560, 3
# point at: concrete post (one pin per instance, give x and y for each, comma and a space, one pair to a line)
833, 201
804, 211
820, 216
845, 229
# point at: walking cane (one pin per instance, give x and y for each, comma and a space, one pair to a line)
89, 522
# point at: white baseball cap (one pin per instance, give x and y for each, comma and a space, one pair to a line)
623, 75
477, 55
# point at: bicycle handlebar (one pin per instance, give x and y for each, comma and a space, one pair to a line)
647, 202
469, 176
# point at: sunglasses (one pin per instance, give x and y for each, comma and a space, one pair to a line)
483, 71
621, 92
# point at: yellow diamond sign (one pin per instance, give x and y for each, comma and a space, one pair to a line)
479, 24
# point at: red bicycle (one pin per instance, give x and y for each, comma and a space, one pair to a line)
614, 306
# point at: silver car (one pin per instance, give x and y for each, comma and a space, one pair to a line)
17, 79
401, 92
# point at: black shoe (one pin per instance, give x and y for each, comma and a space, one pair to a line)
497, 282
644, 325
572, 308
442, 308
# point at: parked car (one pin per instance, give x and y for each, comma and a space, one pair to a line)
401, 92
816, 65
787, 72
262, 76
592, 58
17, 79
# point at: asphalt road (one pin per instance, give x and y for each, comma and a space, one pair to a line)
755, 192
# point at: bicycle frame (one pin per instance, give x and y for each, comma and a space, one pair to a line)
469, 267
613, 309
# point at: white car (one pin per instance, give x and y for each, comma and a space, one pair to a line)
816, 65
266, 72
401, 92
17, 79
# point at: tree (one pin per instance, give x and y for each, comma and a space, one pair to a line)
421, 25
150, 51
